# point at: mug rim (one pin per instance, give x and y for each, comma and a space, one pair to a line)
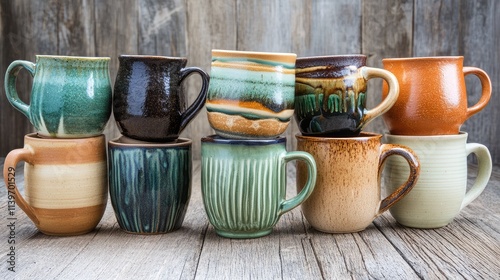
35, 136
363, 136
127, 142
459, 135
147, 56
217, 139
422, 58
284, 56
305, 58
70, 57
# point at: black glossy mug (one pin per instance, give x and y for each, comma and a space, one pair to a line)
149, 102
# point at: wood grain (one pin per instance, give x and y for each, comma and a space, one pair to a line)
466, 248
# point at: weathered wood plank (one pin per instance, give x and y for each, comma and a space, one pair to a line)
479, 44
386, 32
210, 25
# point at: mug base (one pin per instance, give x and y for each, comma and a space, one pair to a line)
82, 232
148, 233
243, 235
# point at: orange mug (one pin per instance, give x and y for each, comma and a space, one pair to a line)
432, 95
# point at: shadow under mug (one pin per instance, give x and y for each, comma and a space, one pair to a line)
149, 184
441, 191
149, 101
65, 182
243, 184
70, 98
347, 193
331, 93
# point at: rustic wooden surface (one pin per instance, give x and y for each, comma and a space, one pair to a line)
468, 248
191, 28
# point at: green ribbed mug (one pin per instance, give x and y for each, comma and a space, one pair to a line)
70, 98
243, 184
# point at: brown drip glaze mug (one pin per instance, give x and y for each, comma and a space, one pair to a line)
346, 197
331, 93
432, 97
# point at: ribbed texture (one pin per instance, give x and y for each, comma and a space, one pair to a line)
436, 198
242, 196
150, 188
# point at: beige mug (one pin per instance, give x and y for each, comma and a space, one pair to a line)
65, 182
346, 197
441, 191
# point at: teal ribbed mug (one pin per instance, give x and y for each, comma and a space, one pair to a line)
243, 184
149, 184
70, 98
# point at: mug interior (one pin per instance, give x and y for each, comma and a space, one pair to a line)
124, 142
216, 139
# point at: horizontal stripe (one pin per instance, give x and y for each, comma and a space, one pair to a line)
235, 107
66, 186
69, 221
254, 67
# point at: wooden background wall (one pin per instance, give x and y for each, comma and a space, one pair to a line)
191, 28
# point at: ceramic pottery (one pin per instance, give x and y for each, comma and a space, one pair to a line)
347, 193
149, 97
433, 97
331, 92
149, 184
251, 94
441, 191
243, 184
65, 182
70, 98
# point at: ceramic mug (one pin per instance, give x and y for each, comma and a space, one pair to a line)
251, 94
347, 193
70, 98
441, 191
65, 182
432, 96
331, 92
149, 98
243, 184
149, 184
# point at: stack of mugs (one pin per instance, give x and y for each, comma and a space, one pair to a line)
65, 171
250, 104
427, 117
150, 166
330, 97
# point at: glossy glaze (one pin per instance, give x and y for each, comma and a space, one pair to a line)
251, 94
149, 184
149, 98
433, 96
330, 95
65, 183
346, 197
244, 184
441, 190
70, 98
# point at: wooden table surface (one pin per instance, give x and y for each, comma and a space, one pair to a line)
467, 248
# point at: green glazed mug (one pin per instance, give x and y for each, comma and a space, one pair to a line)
70, 98
244, 184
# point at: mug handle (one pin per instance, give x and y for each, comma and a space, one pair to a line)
389, 100
195, 108
484, 171
12, 159
405, 152
10, 84
486, 86
291, 203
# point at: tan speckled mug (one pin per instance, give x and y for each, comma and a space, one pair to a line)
65, 182
346, 197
